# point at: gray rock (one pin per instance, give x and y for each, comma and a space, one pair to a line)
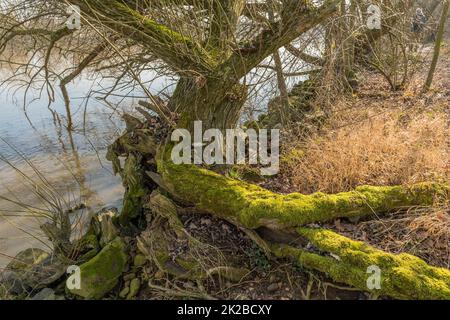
27, 258
44, 273
31, 269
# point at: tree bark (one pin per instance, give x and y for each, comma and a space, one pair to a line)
217, 102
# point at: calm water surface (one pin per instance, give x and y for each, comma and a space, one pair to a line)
73, 163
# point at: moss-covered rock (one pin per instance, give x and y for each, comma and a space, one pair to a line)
124, 292
139, 260
101, 274
30, 270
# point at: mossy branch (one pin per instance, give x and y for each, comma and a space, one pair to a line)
347, 261
402, 276
179, 51
252, 206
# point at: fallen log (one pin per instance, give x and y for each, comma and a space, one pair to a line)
252, 206
344, 260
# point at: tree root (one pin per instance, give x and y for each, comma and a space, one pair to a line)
175, 251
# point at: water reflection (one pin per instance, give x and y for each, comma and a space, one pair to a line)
73, 163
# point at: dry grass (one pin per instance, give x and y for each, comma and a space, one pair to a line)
377, 137
388, 145
385, 150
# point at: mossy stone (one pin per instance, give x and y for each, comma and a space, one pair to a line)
101, 274
124, 292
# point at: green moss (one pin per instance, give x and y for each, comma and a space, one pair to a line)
162, 257
139, 260
101, 274
133, 180
135, 285
88, 246
124, 292
164, 35
253, 206
403, 276
189, 264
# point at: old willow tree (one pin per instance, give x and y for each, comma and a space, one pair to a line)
210, 47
